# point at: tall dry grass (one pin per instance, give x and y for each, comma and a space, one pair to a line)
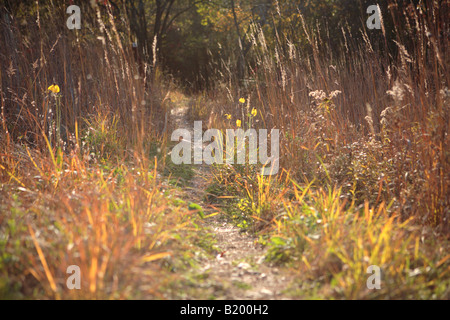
368, 118
364, 148
95, 67
94, 197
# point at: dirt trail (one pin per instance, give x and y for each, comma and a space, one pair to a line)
238, 271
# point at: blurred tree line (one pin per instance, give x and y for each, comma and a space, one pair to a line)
197, 41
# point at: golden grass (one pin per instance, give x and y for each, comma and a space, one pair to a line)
364, 147
82, 187
116, 221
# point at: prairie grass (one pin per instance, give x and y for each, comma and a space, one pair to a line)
85, 177
364, 149
117, 221
79, 168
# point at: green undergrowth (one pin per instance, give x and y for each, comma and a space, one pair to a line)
330, 242
99, 206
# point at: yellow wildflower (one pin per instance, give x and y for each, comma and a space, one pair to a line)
228, 116
254, 112
238, 123
54, 88
242, 100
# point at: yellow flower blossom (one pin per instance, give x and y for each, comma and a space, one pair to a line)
254, 112
242, 100
228, 116
54, 88
238, 123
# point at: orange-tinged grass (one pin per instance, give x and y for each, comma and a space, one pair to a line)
363, 155
115, 220
331, 242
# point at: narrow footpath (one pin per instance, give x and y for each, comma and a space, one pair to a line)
238, 271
